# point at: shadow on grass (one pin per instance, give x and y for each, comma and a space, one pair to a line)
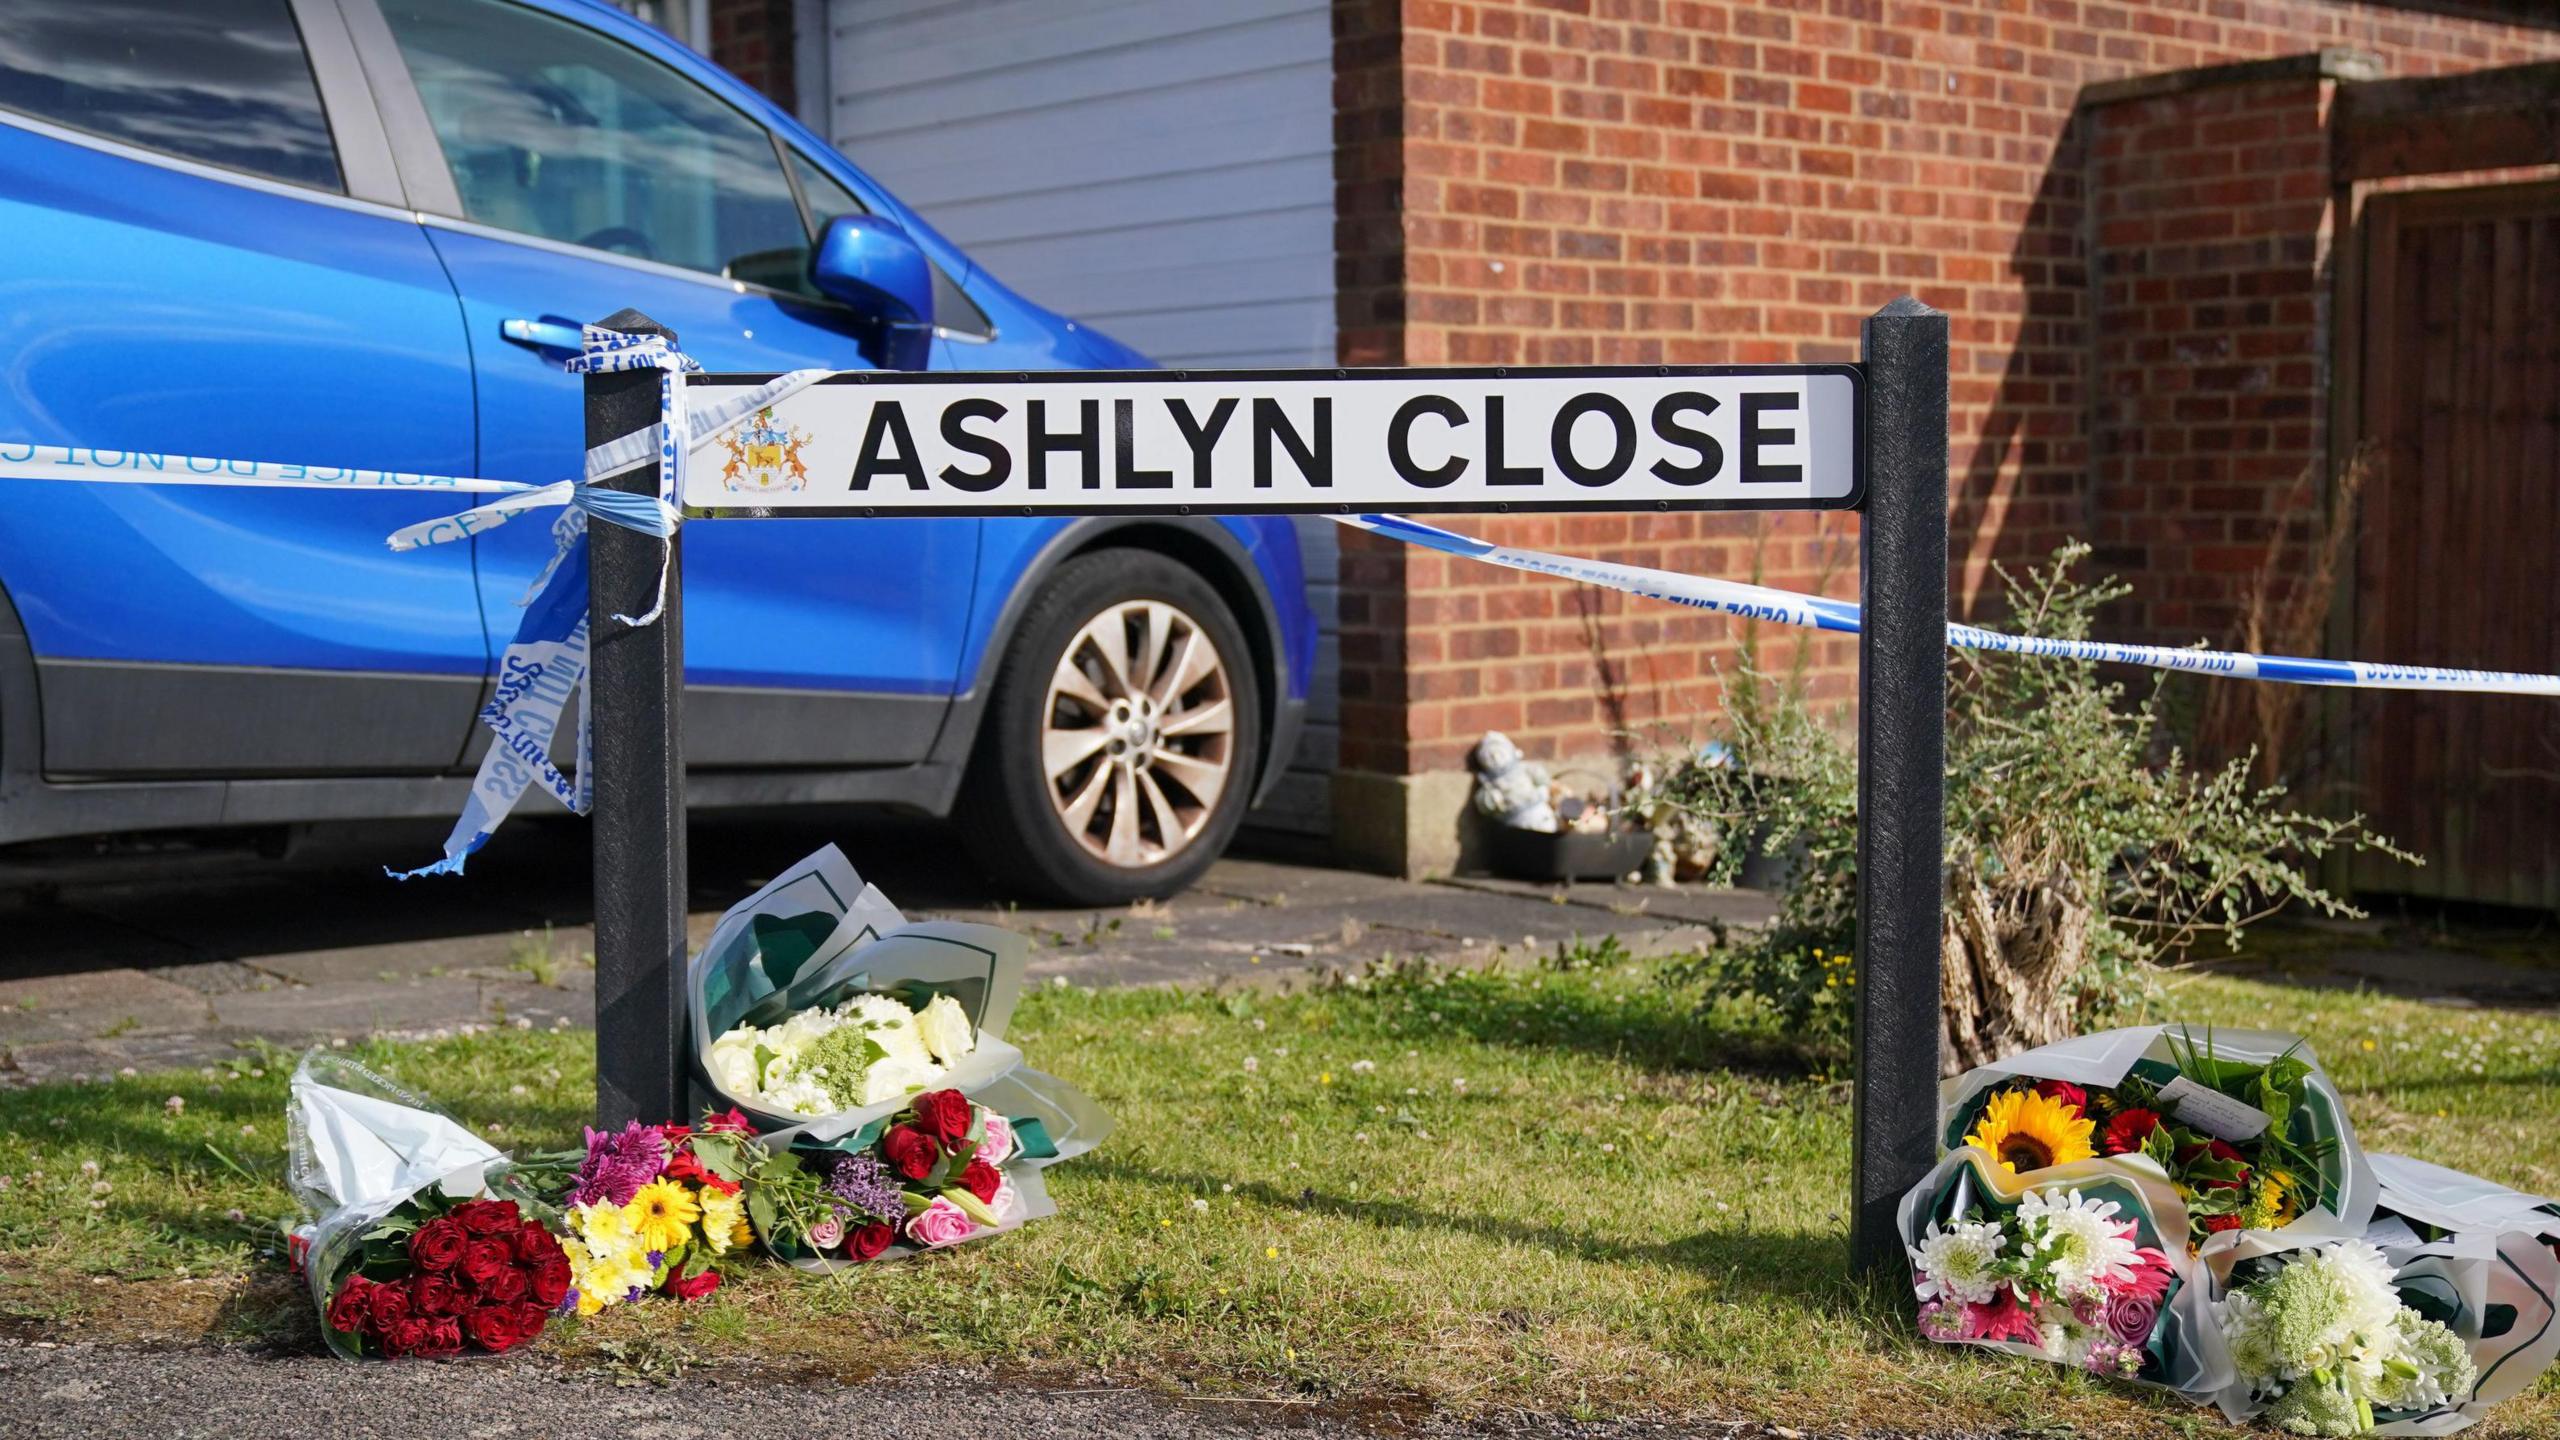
209, 1150
1682, 1028
1810, 1272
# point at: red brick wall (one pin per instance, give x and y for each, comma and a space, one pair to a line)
1744, 180
2211, 229
751, 39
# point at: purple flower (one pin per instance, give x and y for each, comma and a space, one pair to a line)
568, 1303
863, 1185
618, 1164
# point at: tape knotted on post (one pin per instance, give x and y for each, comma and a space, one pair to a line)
546, 662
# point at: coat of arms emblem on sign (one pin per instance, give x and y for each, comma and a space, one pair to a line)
764, 457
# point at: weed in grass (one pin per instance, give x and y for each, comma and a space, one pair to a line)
1606, 953
644, 1360
533, 958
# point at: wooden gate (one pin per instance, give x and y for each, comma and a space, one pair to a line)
2457, 561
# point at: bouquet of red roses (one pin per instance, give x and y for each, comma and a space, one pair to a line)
406, 1249
435, 1278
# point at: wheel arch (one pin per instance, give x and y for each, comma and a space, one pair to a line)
1203, 546
21, 716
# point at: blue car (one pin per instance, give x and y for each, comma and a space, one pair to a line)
365, 232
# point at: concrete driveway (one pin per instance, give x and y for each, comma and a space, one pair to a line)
163, 959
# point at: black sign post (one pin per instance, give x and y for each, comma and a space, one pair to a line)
635, 691
1345, 441
1902, 751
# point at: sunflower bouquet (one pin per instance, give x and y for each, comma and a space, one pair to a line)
2247, 1128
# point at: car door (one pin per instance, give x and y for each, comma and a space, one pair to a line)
591, 173
194, 266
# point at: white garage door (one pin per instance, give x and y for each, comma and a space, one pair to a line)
1161, 169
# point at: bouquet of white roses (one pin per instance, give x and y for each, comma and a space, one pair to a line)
865, 1050
820, 1013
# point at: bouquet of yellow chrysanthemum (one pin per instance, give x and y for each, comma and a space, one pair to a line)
651, 1208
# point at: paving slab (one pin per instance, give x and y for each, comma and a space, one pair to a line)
180, 961
1689, 904
88, 1004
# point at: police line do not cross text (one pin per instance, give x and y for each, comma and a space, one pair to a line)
1310, 441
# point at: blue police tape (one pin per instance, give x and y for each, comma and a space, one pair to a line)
1785, 607
546, 662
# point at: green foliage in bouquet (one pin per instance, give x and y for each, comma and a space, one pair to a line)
2081, 848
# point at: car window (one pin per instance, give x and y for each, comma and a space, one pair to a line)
221, 81
953, 310
553, 129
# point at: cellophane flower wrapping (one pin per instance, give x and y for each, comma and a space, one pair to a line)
2483, 1260
358, 1148
2185, 1097
2340, 1338
2082, 1265
818, 937
946, 1171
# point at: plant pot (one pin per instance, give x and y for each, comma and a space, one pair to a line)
1549, 858
1764, 869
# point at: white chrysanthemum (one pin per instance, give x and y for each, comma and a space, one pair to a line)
1959, 1265
2433, 1368
2244, 1328
2076, 1241
801, 1095
793, 1035
2365, 1277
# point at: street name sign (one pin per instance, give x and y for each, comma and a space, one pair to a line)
1348, 441
1228, 442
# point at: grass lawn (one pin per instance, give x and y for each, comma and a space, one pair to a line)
1561, 1188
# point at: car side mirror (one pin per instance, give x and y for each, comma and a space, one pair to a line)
870, 263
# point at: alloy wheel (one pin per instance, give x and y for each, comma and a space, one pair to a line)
1137, 735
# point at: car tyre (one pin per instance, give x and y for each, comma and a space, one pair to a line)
1121, 742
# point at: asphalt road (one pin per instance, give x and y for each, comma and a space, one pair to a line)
202, 1391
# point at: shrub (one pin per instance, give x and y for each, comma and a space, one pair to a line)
2080, 852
